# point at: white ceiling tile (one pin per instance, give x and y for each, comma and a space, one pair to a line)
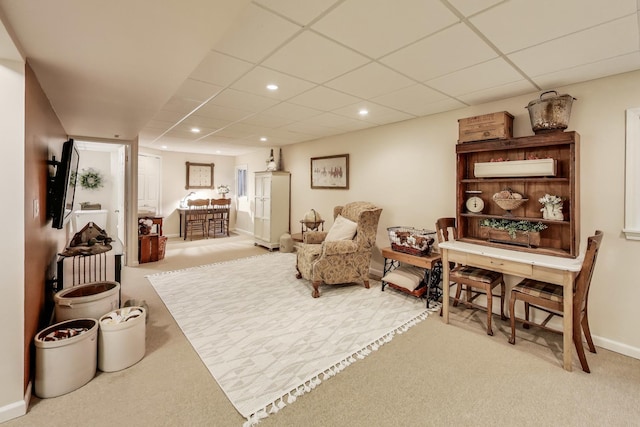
222, 113
267, 120
518, 24
495, 93
256, 81
455, 48
496, 72
242, 100
605, 41
182, 134
197, 90
410, 100
468, 8
292, 111
313, 57
256, 34
181, 105
158, 125
282, 134
168, 116
242, 130
311, 129
301, 12
323, 98
329, 57
187, 127
370, 81
220, 69
150, 133
441, 106
337, 121
607, 67
234, 131
389, 25
205, 122
378, 114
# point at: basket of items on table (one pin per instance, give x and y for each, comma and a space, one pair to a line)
412, 241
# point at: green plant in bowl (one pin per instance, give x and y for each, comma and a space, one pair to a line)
512, 226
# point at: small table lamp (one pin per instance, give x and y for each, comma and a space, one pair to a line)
183, 203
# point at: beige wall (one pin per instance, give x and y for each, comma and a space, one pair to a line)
12, 244
408, 169
173, 173
29, 244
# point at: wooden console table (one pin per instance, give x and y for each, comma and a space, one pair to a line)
551, 269
431, 263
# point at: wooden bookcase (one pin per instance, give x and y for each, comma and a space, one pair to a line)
561, 238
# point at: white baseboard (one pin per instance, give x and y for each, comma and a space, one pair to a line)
605, 343
617, 347
16, 409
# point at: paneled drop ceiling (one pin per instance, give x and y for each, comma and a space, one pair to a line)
331, 60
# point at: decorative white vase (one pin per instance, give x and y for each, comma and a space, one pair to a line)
553, 212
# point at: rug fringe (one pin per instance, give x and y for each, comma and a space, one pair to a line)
307, 386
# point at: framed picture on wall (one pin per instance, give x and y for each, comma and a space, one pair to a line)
199, 175
330, 172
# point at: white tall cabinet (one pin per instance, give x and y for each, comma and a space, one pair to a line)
271, 219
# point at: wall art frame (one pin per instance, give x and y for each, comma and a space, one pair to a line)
199, 175
330, 172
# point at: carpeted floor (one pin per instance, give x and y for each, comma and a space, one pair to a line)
432, 375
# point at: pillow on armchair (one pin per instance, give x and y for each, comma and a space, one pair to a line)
342, 229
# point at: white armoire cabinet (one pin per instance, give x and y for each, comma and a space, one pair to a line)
271, 219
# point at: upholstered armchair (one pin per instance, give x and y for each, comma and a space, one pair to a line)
323, 260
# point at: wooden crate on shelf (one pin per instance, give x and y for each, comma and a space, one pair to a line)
485, 127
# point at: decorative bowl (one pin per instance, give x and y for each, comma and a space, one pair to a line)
510, 204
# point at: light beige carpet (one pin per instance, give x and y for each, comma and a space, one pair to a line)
432, 375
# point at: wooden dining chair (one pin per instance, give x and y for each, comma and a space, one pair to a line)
473, 280
548, 297
196, 217
219, 219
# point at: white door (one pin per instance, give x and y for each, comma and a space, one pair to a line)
119, 178
148, 184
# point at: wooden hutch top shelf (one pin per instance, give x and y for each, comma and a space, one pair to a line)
561, 237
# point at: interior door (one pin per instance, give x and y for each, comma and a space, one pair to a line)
148, 184
119, 177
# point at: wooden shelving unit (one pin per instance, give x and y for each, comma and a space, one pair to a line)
561, 238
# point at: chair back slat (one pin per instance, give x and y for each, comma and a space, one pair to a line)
583, 280
445, 226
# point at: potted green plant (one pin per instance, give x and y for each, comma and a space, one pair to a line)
524, 233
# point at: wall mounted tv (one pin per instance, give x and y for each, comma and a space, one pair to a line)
62, 186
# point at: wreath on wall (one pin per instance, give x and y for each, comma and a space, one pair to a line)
90, 179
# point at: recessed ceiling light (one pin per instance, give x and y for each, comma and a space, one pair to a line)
195, 130
363, 112
263, 139
272, 86
164, 147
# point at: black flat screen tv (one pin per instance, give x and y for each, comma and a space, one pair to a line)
62, 187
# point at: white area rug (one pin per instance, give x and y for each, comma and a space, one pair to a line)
265, 339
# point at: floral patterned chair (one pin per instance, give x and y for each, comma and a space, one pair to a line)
340, 261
